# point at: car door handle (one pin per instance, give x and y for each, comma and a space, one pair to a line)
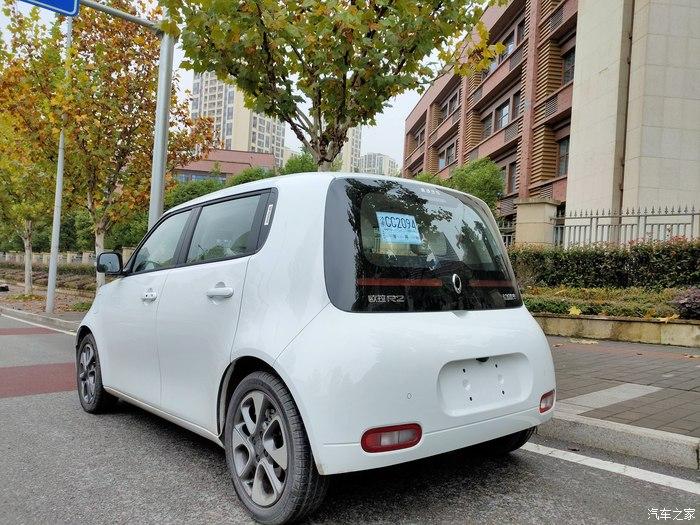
220, 292
149, 295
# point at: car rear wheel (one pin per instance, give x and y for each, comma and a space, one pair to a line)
268, 452
92, 395
509, 443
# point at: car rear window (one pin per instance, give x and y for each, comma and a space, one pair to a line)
400, 246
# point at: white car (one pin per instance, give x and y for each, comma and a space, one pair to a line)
320, 323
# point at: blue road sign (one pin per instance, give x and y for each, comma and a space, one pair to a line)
64, 7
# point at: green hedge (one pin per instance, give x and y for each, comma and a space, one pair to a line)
670, 264
626, 302
63, 269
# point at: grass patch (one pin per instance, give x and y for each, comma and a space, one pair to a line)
616, 302
25, 297
82, 306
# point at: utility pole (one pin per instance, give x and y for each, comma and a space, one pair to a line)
160, 138
58, 197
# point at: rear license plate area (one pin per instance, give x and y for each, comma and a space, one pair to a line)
473, 385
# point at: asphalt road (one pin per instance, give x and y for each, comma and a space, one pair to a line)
60, 465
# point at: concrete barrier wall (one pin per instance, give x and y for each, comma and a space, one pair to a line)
675, 332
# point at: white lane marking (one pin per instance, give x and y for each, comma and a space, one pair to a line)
39, 325
618, 468
603, 398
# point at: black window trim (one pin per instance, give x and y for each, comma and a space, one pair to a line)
270, 198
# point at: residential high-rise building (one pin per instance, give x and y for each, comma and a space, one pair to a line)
593, 104
379, 164
235, 126
350, 154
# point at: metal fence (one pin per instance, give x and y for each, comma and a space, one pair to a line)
657, 224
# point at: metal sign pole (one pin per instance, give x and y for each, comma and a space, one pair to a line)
58, 197
162, 125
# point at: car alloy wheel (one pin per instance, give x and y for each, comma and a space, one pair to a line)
87, 373
260, 452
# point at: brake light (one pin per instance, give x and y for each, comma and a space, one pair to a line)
547, 401
395, 437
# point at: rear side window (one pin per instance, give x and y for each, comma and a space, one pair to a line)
225, 229
400, 246
160, 249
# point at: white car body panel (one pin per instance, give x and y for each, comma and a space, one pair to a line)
127, 344
348, 372
195, 334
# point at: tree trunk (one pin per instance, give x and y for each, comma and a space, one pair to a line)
324, 166
99, 248
27, 240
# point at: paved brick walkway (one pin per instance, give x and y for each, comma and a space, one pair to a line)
642, 385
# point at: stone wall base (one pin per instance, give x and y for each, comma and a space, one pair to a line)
675, 332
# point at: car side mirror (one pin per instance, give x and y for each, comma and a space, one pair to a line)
109, 263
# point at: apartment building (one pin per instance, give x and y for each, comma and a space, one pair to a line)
235, 126
593, 104
379, 164
351, 152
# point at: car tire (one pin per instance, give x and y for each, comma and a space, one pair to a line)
93, 397
268, 453
509, 443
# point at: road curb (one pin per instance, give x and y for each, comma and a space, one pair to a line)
44, 320
647, 443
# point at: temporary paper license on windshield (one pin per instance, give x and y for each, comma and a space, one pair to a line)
398, 228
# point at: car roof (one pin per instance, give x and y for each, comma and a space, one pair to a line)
316, 177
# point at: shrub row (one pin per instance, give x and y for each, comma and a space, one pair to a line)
670, 264
63, 269
622, 302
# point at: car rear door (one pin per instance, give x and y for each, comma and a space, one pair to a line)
199, 312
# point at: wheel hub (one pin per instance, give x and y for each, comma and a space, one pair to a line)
259, 448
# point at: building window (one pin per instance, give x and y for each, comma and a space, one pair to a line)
569, 59
510, 183
516, 105
487, 124
447, 155
521, 31
419, 136
509, 43
502, 115
563, 162
450, 105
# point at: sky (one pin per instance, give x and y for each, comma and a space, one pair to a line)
386, 137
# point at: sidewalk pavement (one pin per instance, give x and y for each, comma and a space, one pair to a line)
637, 399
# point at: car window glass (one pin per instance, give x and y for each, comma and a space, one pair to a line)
159, 250
224, 230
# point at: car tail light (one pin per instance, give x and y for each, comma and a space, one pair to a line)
395, 437
547, 401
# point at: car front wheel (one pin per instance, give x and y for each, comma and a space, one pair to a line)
93, 397
268, 452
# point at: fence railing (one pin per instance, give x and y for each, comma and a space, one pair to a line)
657, 224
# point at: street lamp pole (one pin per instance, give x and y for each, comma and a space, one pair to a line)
58, 197
160, 138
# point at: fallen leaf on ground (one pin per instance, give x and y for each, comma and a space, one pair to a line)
669, 318
584, 341
574, 310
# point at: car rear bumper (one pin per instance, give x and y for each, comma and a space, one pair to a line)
464, 377
349, 457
